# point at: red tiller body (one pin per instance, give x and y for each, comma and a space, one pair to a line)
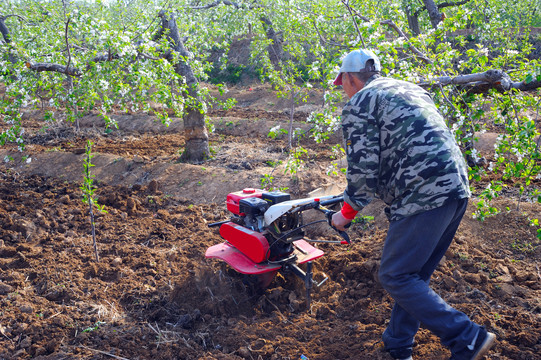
251, 243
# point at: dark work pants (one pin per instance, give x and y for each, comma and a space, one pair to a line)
413, 249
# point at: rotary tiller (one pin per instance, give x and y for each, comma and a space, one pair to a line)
265, 235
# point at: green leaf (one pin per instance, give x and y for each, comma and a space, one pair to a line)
483, 60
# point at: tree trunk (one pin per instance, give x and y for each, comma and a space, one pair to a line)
276, 52
7, 39
4, 30
433, 12
413, 21
195, 132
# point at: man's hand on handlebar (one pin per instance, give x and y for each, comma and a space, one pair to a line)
339, 221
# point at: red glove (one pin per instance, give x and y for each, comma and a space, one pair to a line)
348, 212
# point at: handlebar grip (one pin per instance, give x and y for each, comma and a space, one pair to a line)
332, 201
218, 223
343, 234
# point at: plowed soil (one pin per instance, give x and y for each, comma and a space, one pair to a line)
153, 295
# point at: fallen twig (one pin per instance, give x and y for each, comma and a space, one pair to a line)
160, 335
105, 353
58, 313
211, 294
2, 331
163, 338
277, 309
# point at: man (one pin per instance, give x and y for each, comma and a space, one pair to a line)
399, 148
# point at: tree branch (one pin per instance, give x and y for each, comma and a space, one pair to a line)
216, 3
350, 10
497, 79
39, 67
414, 50
323, 40
449, 4
67, 44
149, 57
442, 6
400, 33
4, 29
522, 86
105, 57
68, 69
14, 15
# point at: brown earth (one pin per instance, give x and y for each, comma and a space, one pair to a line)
153, 295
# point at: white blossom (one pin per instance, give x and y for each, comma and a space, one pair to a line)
123, 91
275, 129
104, 84
483, 51
474, 154
334, 123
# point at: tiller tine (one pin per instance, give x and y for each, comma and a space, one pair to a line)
306, 276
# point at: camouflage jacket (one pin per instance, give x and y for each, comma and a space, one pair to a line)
399, 149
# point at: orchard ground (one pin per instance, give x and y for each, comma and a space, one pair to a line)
153, 295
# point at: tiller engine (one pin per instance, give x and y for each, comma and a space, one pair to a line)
265, 235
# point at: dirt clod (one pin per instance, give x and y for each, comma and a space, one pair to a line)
5, 288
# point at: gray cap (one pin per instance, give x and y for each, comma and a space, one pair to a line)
355, 61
